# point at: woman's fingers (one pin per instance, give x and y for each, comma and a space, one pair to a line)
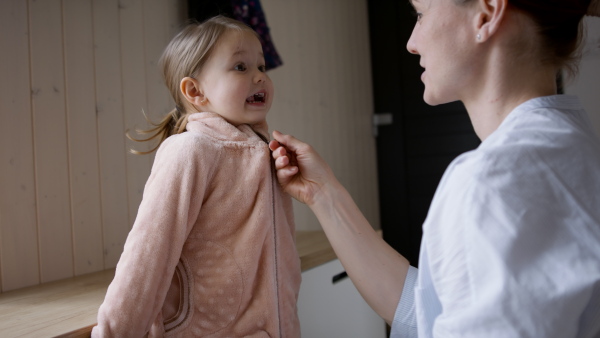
280, 156
273, 145
288, 141
284, 175
281, 162
300, 170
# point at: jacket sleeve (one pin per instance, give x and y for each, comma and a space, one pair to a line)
171, 202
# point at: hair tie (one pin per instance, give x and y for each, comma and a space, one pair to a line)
594, 8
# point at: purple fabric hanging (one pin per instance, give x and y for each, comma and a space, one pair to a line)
250, 12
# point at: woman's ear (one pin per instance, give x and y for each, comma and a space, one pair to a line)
489, 17
190, 88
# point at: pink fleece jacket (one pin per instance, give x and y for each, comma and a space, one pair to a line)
212, 251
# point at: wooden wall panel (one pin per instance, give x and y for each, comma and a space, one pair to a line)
156, 36
323, 92
364, 186
111, 129
133, 79
50, 140
177, 17
19, 264
69, 191
298, 102
83, 136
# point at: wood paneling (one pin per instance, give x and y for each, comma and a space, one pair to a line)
323, 92
19, 259
83, 136
75, 75
50, 140
157, 30
133, 79
111, 129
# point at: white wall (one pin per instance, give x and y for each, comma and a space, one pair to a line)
587, 84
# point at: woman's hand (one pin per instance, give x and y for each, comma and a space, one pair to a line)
300, 170
376, 269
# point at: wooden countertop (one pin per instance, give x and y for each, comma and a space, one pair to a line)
68, 308
313, 248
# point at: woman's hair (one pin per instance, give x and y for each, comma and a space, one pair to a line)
560, 27
185, 56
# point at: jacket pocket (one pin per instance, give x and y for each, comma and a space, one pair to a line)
177, 308
218, 287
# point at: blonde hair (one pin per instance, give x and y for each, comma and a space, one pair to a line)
185, 56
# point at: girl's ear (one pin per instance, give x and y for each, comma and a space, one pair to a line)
190, 88
489, 17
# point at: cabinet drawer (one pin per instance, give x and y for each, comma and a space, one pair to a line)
335, 309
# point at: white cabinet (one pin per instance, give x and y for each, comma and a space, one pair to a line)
330, 310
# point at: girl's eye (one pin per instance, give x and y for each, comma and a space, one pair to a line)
240, 67
262, 68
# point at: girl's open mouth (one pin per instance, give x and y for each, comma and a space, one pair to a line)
256, 98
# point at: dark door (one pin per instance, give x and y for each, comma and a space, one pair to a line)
416, 148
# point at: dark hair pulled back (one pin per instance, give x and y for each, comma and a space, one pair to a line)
560, 26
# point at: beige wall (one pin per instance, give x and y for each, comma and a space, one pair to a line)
323, 92
75, 74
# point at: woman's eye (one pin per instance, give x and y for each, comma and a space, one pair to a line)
240, 67
418, 15
262, 68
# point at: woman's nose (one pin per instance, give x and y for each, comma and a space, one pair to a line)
411, 45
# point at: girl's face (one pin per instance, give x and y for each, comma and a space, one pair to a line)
445, 37
234, 82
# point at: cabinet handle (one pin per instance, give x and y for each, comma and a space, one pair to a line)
339, 277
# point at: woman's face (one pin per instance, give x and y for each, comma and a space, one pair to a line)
445, 37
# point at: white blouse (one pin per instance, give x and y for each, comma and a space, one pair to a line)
511, 243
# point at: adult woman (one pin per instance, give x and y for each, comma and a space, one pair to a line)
511, 244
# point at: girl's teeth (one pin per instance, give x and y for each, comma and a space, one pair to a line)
259, 97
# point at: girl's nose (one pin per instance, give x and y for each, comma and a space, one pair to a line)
259, 76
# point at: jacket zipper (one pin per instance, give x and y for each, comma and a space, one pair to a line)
275, 244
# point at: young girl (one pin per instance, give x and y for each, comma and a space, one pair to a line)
212, 252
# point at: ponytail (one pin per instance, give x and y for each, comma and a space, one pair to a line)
172, 123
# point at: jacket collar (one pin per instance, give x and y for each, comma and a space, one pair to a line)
215, 125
